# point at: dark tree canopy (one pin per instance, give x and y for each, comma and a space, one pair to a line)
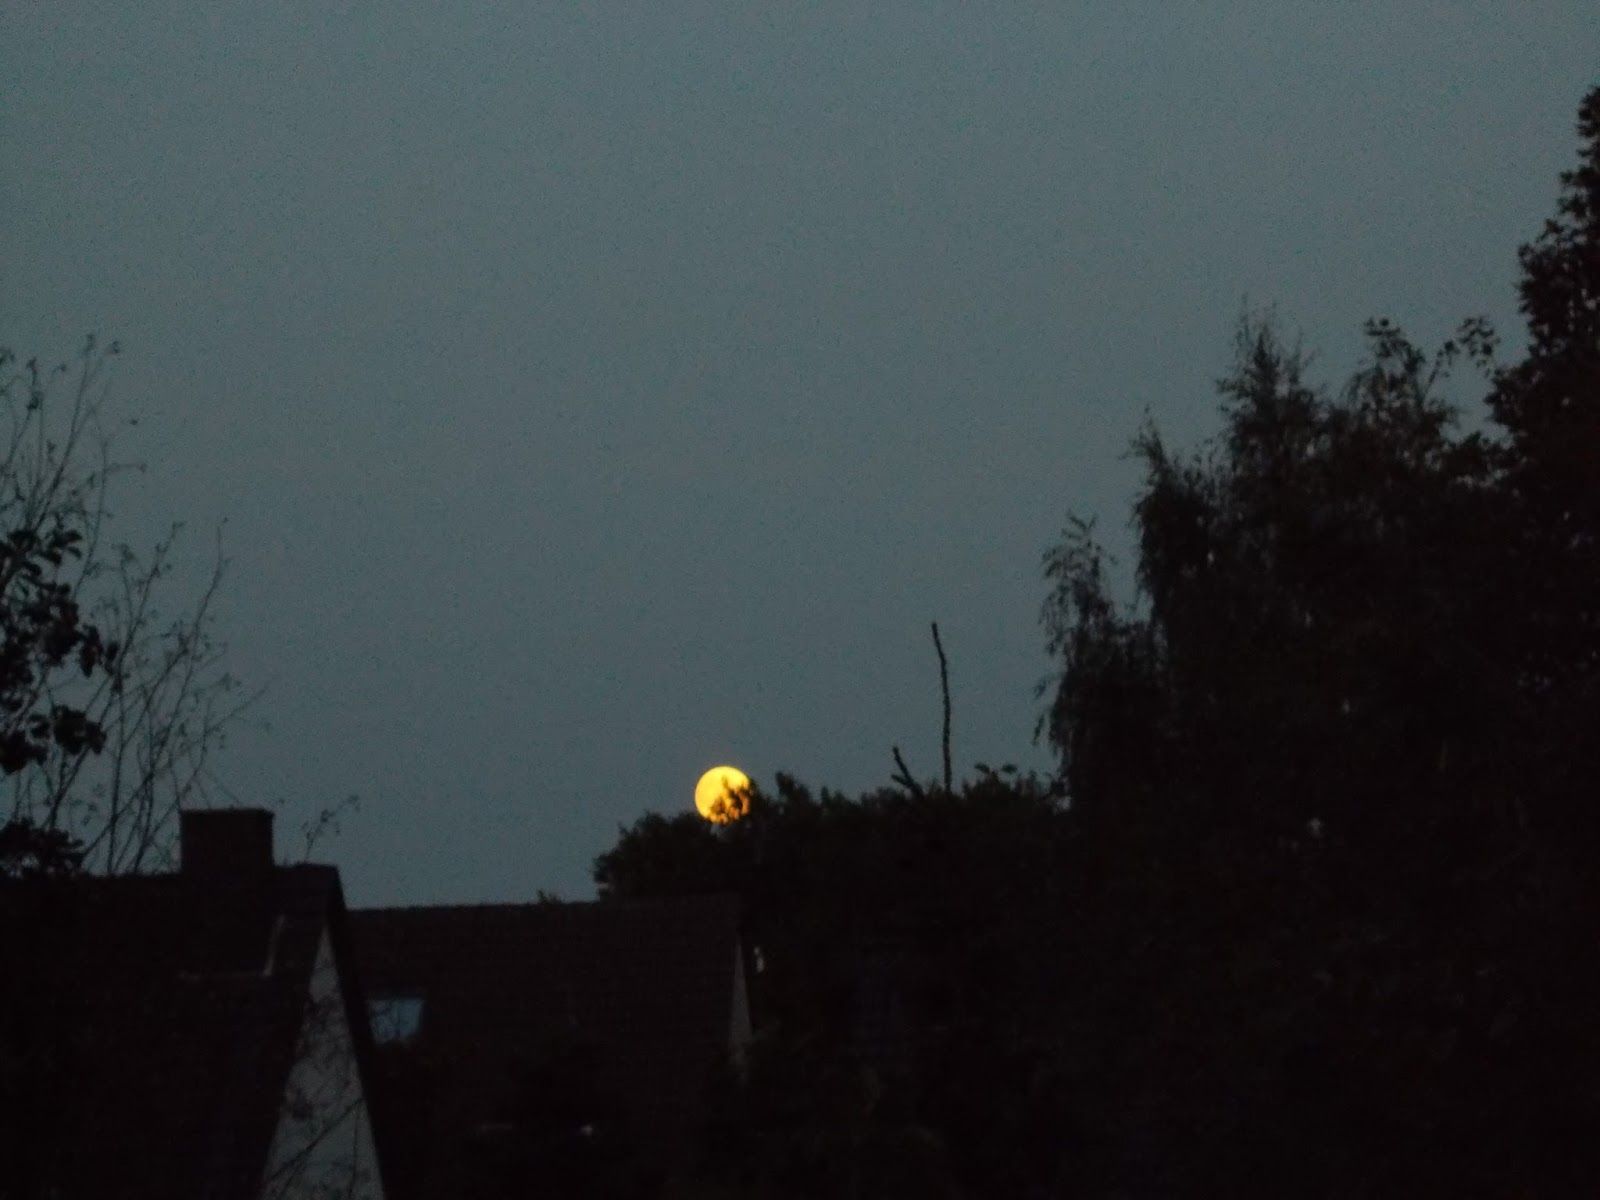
899, 947
1310, 909
1547, 402
1342, 748
1319, 630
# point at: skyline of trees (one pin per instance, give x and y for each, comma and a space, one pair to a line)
1310, 908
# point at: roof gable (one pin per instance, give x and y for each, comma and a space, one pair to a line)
161, 1015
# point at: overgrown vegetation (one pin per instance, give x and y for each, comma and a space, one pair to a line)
1310, 909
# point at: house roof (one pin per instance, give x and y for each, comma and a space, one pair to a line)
151, 1023
647, 986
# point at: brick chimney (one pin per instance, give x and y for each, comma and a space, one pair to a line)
225, 844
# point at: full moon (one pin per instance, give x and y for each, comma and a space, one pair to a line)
719, 796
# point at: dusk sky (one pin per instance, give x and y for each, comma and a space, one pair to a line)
592, 394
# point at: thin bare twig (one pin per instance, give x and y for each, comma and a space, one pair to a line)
903, 776
944, 689
159, 699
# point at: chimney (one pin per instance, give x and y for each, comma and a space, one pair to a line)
223, 844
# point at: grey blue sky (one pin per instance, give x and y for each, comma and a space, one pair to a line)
594, 393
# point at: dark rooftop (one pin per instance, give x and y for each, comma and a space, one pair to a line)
645, 987
158, 1018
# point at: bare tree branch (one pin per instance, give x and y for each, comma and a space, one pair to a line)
944, 691
903, 775
109, 709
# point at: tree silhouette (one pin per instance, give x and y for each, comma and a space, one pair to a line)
1316, 914
1338, 755
903, 952
1549, 405
108, 710
109, 707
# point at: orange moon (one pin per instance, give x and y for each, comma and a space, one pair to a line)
719, 796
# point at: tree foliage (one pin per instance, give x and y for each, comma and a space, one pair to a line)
109, 704
1341, 751
898, 941
1316, 913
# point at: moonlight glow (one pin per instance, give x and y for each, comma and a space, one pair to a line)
719, 796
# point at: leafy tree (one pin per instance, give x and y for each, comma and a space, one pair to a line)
1549, 406
1316, 916
1548, 403
1339, 755
1319, 619
109, 707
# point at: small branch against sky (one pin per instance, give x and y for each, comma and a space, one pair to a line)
903, 775
944, 692
327, 823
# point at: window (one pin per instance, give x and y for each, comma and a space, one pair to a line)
395, 1018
